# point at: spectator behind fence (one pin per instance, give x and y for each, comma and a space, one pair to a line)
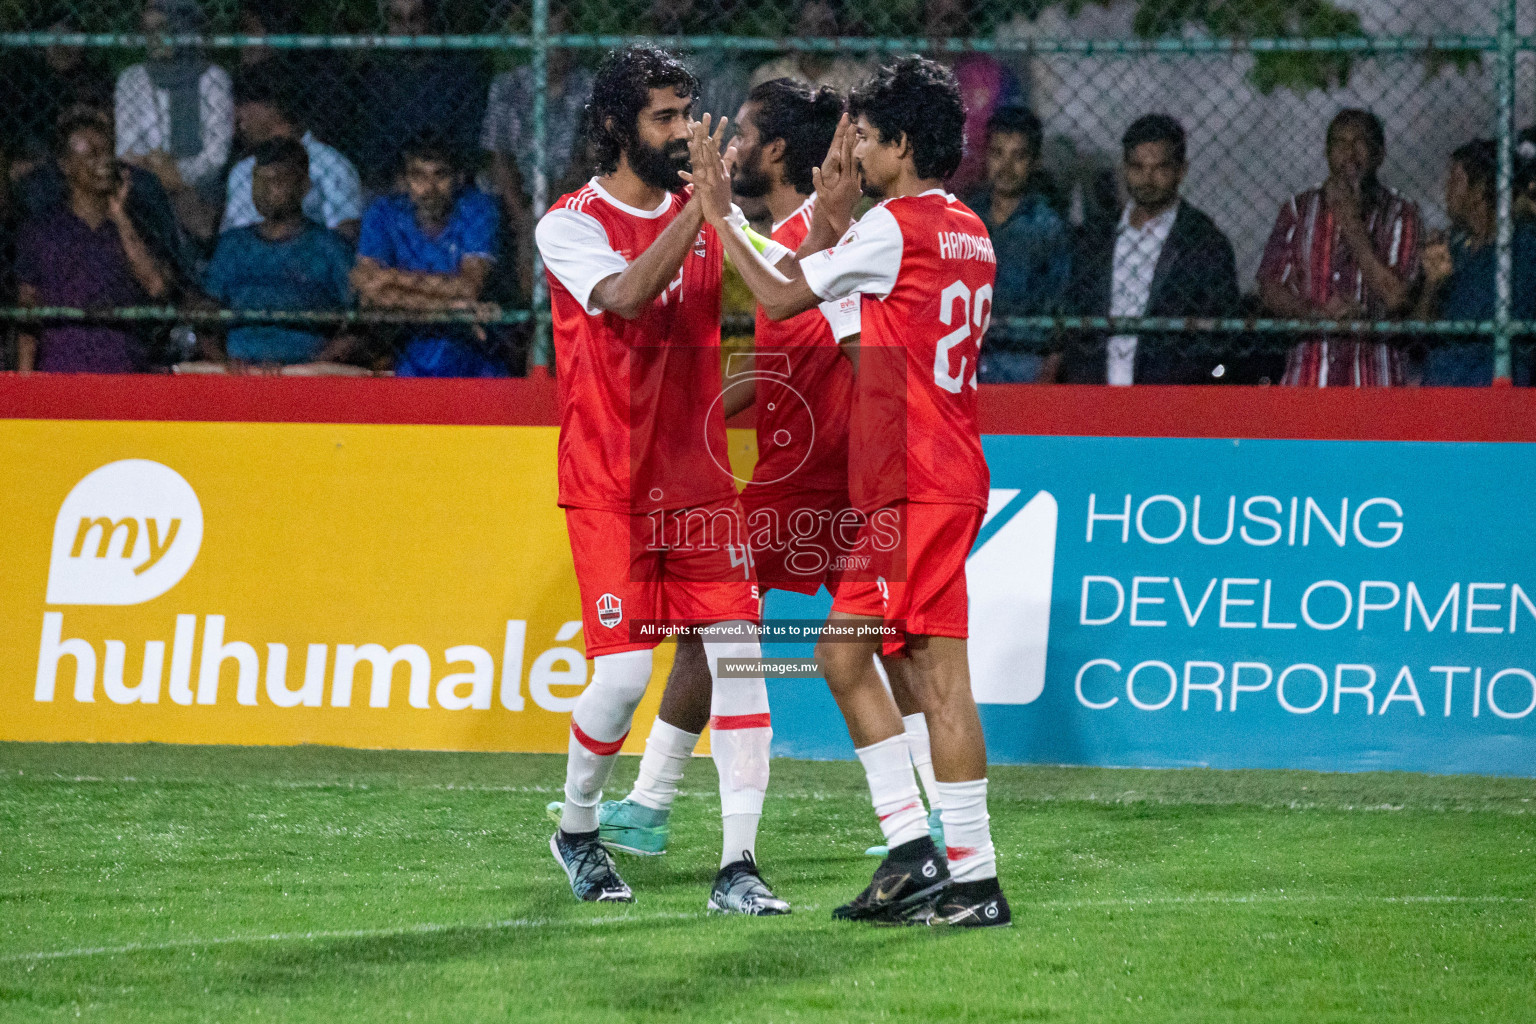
43, 189
266, 110
430, 248
507, 136
317, 74
285, 261
1460, 273
817, 19
175, 112
1033, 246
985, 82
43, 85
1164, 258
1346, 249
85, 253
403, 93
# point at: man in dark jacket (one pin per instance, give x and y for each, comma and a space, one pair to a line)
1164, 258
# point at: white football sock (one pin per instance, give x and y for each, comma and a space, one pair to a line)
922, 756
740, 736
893, 790
967, 833
667, 750
598, 726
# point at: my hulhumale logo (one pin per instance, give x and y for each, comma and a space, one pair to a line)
126, 533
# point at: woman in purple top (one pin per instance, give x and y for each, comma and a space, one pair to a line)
85, 254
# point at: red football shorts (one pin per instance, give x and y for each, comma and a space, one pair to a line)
918, 585
642, 576
800, 538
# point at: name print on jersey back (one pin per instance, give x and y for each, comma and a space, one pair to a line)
926, 267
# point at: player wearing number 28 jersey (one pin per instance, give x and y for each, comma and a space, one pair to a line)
924, 268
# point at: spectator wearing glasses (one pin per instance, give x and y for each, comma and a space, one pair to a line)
1460, 271
1347, 249
284, 261
86, 253
1162, 258
1032, 242
430, 248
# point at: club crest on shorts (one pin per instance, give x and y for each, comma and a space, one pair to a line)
610, 610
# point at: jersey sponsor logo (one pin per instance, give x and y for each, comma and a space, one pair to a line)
610, 610
125, 534
1008, 579
959, 245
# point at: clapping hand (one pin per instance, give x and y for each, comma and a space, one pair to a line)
711, 177
837, 181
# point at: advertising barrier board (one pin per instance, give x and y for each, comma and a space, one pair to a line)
397, 575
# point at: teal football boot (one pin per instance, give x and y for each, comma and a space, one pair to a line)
626, 826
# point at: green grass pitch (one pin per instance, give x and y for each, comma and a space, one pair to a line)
152, 883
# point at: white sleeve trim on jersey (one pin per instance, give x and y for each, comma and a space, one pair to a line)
866, 260
574, 246
843, 316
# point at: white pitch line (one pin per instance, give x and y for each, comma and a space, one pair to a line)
1259, 898
426, 928
429, 928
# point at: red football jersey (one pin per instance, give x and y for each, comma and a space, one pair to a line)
640, 408
925, 267
804, 387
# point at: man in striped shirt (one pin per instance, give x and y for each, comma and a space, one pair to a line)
1347, 249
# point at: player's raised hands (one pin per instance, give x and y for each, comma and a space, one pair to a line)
711, 178
837, 183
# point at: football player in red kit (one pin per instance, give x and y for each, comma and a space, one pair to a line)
657, 532
798, 513
924, 267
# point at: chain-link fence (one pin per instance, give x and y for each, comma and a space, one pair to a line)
187, 89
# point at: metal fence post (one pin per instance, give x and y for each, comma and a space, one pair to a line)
1504, 279
541, 353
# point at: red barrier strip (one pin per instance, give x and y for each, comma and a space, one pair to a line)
1385, 414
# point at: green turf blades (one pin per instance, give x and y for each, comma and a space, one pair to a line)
625, 826
935, 832
314, 885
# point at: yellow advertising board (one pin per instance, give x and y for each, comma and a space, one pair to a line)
276, 583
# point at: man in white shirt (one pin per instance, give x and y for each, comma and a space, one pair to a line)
1137, 248
264, 111
1162, 258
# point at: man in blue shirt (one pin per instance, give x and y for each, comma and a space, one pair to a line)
285, 262
1034, 249
1460, 271
431, 248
